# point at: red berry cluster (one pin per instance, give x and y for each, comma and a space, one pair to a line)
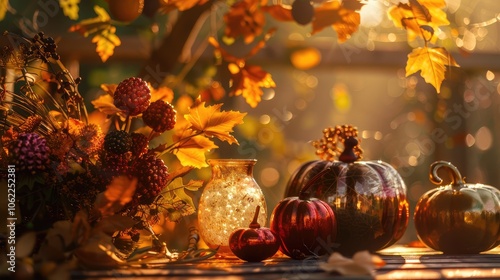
127, 154
152, 175
132, 95
160, 116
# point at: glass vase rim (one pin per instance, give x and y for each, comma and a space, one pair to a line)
235, 161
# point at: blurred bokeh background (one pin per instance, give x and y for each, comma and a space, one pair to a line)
321, 83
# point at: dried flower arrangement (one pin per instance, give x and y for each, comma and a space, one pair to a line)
102, 181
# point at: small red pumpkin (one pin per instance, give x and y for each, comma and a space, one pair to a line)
367, 197
458, 218
306, 226
255, 243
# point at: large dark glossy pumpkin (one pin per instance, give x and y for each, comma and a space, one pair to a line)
367, 197
306, 227
458, 218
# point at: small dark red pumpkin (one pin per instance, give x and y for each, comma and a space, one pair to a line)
254, 244
306, 226
458, 218
367, 197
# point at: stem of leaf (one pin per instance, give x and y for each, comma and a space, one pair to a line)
179, 143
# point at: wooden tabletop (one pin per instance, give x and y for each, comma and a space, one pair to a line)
400, 263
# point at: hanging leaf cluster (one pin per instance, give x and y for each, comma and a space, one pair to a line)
102, 30
248, 19
422, 19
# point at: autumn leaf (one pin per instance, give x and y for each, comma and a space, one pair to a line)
162, 93
362, 263
245, 19
109, 88
345, 21
174, 202
104, 103
118, 193
103, 31
191, 147
416, 14
4, 6
214, 92
70, 8
431, 62
106, 43
279, 12
213, 122
248, 80
92, 25
194, 185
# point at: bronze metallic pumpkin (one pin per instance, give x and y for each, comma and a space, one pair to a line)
367, 197
458, 218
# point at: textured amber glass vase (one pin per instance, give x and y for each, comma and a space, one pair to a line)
228, 202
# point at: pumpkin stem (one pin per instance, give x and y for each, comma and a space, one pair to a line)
348, 155
303, 192
254, 223
456, 177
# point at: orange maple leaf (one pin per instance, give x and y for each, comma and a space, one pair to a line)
418, 14
214, 92
246, 19
118, 193
431, 62
343, 18
213, 122
247, 82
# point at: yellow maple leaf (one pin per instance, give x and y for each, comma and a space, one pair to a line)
191, 147
106, 42
103, 31
4, 6
162, 93
416, 14
92, 25
104, 104
248, 80
118, 193
431, 62
70, 8
109, 88
213, 122
345, 21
